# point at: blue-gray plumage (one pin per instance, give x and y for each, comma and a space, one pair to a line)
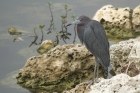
92, 34
96, 42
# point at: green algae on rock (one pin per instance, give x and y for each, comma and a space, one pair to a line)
114, 31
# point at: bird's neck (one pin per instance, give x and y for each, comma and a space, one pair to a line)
80, 32
80, 28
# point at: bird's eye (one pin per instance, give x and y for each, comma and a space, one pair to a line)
80, 19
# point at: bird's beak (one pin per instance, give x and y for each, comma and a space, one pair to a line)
74, 22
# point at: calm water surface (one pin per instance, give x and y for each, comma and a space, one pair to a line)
25, 15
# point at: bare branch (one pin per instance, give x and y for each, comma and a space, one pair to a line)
35, 38
52, 24
34, 42
74, 34
42, 36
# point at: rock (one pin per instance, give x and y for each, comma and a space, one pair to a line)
80, 88
61, 68
125, 52
136, 19
114, 15
46, 46
134, 55
121, 83
122, 23
13, 31
116, 21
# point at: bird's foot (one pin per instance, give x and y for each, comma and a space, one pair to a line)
89, 83
84, 83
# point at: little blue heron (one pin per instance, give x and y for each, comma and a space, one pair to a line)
92, 34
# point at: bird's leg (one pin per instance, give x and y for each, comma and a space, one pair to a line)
127, 67
97, 70
93, 79
95, 67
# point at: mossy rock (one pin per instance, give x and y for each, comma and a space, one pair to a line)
118, 32
46, 46
61, 68
13, 31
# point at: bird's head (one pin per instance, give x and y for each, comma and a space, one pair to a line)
80, 21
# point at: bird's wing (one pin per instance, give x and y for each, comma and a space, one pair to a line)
97, 43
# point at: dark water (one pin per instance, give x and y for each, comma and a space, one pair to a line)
25, 15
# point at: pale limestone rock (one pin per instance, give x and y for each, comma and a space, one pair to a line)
124, 52
136, 19
46, 46
121, 23
116, 21
121, 83
134, 55
118, 16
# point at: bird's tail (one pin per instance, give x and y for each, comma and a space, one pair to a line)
105, 75
108, 73
112, 72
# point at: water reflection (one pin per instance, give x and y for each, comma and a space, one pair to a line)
10, 82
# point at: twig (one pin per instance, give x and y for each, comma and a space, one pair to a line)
64, 41
49, 29
35, 32
52, 24
63, 33
36, 37
34, 42
66, 13
41, 27
57, 40
75, 34
42, 36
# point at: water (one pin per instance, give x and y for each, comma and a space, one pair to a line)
25, 15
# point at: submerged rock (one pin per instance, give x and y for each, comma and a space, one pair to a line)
13, 31
46, 46
61, 68
125, 52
